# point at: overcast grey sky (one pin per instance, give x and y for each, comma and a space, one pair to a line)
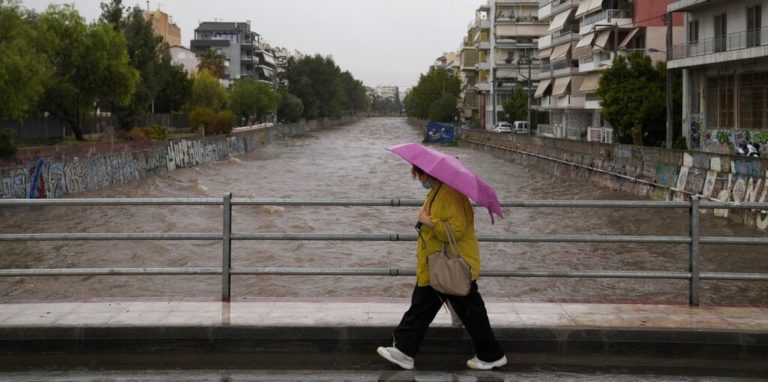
381, 42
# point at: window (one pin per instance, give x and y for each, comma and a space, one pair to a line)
721, 31
640, 42
693, 32
753, 100
753, 25
720, 102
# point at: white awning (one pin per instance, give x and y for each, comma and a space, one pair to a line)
586, 40
629, 38
590, 83
583, 6
602, 40
543, 85
561, 84
559, 21
594, 5
544, 53
560, 51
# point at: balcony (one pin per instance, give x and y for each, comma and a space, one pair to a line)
608, 16
596, 60
485, 65
483, 45
568, 102
566, 34
479, 24
561, 5
717, 49
483, 86
545, 41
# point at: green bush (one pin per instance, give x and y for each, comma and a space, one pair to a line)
223, 122
7, 143
157, 132
201, 115
680, 143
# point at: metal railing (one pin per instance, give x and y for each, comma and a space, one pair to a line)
694, 240
734, 41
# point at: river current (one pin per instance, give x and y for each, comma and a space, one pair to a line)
351, 162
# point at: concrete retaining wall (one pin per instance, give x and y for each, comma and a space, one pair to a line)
658, 173
55, 171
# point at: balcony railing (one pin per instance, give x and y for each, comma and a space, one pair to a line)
607, 14
565, 34
733, 41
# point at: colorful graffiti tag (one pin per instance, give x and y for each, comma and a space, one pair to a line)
53, 178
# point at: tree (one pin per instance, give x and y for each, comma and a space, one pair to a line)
290, 108
89, 65
207, 92
430, 88
632, 95
517, 106
112, 13
443, 109
316, 81
174, 90
149, 55
250, 98
23, 72
356, 99
213, 62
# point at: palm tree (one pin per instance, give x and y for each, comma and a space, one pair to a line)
212, 61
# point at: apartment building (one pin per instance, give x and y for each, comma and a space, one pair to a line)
387, 92
163, 26
582, 39
246, 55
184, 57
724, 59
498, 53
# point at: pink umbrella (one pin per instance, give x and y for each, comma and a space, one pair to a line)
451, 171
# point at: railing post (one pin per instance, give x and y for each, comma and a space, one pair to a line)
226, 245
693, 252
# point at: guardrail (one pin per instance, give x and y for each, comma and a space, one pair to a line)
694, 240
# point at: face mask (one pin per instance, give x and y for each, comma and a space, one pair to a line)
426, 185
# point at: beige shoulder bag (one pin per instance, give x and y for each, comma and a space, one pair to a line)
448, 273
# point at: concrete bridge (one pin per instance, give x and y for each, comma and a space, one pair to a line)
301, 334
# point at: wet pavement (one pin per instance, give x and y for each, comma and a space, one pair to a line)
286, 339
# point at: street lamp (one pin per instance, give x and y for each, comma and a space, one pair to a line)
527, 61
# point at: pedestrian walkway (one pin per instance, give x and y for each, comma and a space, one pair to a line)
382, 312
351, 328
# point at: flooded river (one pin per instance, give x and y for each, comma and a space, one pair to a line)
350, 162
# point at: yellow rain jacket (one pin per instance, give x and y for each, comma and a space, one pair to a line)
453, 207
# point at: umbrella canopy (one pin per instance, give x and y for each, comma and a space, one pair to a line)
451, 171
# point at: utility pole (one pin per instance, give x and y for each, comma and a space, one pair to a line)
669, 81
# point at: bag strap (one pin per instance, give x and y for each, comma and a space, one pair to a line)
451, 240
434, 196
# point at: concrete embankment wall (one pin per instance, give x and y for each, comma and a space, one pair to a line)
55, 171
658, 173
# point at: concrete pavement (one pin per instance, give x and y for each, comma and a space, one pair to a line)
347, 328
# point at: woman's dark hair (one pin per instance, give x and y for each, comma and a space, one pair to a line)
416, 172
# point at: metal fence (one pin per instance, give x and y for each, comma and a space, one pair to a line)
53, 128
694, 240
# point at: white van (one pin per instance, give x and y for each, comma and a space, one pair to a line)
520, 127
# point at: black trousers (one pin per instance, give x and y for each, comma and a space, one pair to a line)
426, 302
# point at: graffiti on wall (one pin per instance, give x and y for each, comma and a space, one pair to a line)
53, 179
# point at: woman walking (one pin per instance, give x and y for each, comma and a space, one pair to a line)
444, 205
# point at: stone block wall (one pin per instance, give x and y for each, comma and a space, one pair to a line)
55, 171
658, 173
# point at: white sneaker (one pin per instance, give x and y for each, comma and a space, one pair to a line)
392, 354
475, 363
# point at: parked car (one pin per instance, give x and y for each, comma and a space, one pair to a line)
502, 127
520, 127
